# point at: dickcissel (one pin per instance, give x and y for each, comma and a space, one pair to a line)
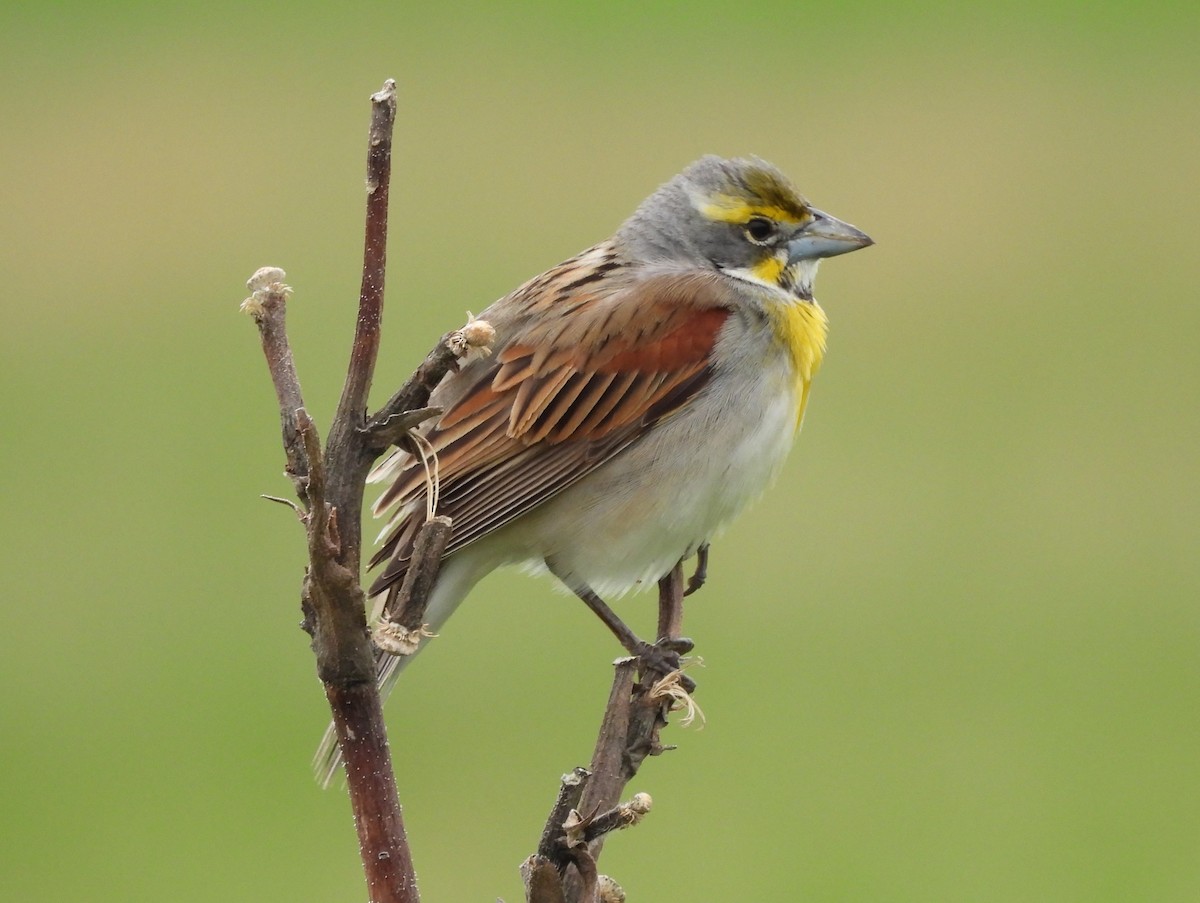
637, 397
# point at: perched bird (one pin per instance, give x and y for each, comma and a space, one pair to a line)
637, 397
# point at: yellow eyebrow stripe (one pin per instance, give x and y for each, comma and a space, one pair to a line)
724, 208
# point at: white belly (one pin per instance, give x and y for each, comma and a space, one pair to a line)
631, 520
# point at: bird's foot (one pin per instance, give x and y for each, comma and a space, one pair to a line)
657, 660
700, 575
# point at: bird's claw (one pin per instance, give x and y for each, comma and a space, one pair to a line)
678, 644
700, 575
662, 658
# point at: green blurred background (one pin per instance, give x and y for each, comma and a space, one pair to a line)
953, 655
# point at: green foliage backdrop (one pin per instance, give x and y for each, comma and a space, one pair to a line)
951, 656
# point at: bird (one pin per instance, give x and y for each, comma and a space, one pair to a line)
635, 399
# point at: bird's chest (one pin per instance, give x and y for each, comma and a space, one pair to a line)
757, 405
757, 429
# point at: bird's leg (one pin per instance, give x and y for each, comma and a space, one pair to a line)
701, 573
670, 620
633, 644
662, 657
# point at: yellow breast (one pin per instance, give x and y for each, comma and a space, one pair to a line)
801, 327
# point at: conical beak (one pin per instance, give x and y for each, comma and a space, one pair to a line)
825, 236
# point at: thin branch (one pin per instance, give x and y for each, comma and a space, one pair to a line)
365, 350
430, 544
289, 503
476, 336
628, 733
588, 828
310, 441
402, 622
395, 427
570, 791
608, 758
267, 304
348, 460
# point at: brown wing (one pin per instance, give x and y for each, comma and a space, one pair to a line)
559, 398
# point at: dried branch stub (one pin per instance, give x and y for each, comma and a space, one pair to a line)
608, 891
475, 338
396, 639
265, 283
580, 829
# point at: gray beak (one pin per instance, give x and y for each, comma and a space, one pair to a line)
825, 236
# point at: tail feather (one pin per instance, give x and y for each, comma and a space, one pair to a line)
456, 578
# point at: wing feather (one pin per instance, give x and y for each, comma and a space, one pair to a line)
561, 396
585, 405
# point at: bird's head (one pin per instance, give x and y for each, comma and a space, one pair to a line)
744, 217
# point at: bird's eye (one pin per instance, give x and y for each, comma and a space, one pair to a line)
760, 230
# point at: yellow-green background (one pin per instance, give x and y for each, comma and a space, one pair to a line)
953, 656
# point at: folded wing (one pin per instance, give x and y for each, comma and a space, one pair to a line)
561, 396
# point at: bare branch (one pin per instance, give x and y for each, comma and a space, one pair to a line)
403, 617
353, 404
310, 441
618, 817
475, 336
280, 501
267, 304
608, 758
570, 791
392, 429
